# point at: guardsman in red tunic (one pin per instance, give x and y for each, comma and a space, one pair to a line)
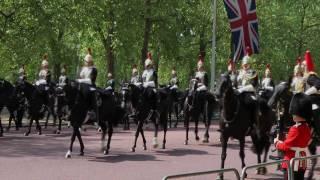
299, 135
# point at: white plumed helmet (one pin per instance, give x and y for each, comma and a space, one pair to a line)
88, 58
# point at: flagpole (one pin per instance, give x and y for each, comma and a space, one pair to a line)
213, 58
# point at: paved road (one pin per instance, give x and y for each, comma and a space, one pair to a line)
42, 157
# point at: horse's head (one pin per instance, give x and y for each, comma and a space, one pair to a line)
225, 85
281, 92
26, 88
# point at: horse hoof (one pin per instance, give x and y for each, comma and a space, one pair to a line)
186, 143
81, 153
1, 134
205, 140
99, 129
26, 134
106, 152
133, 150
58, 132
163, 146
68, 155
39, 133
145, 147
197, 138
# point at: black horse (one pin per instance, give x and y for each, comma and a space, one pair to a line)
260, 135
10, 98
125, 103
109, 114
50, 106
236, 118
82, 98
176, 100
37, 97
65, 100
144, 101
196, 104
281, 99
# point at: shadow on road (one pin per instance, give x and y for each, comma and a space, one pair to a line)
124, 157
182, 152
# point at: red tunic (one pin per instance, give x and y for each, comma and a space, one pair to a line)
299, 135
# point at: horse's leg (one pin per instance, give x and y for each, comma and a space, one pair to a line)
38, 126
155, 136
103, 135
266, 150
206, 123
241, 153
47, 119
1, 129
59, 125
136, 136
54, 115
29, 128
169, 116
143, 138
73, 137
176, 111
164, 134
187, 119
78, 134
110, 132
196, 121
313, 150
224, 145
10, 120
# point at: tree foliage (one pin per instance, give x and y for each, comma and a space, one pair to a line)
120, 32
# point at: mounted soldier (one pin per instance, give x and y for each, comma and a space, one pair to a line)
22, 76
63, 79
88, 76
150, 80
135, 76
247, 84
174, 81
89, 72
44, 74
232, 73
110, 85
202, 76
297, 84
267, 84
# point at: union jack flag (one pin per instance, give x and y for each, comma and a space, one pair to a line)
244, 27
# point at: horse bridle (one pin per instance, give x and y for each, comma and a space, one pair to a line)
234, 114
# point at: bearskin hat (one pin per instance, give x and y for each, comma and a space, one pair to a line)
301, 105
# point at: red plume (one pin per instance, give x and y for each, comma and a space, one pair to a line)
248, 51
90, 51
200, 58
149, 56
45, 56
299, 61
268, 66
309, 62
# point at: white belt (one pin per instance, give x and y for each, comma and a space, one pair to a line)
149, 84
297, 150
